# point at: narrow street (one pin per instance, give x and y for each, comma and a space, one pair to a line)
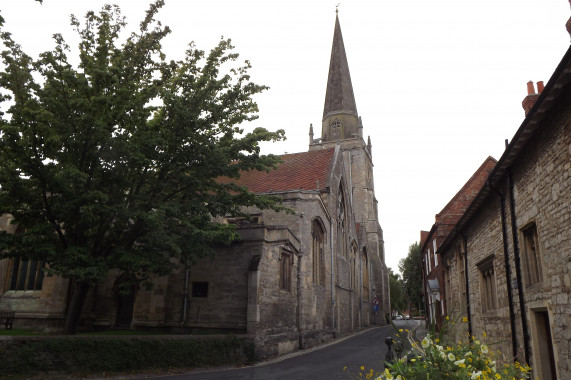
365, 349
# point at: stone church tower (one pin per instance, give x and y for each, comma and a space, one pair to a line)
341, 125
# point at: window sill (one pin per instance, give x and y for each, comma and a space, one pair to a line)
490, 314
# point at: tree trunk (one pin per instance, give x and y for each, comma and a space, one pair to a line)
75, 306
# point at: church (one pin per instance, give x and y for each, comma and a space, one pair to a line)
293, 280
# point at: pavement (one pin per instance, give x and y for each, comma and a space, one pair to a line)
415, 330
420, 330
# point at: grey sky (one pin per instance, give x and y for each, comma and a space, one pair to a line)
438, 84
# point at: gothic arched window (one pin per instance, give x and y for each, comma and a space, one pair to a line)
286, 263
365, 273
341, 225
317, 252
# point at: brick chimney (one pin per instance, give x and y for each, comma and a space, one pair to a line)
532, 96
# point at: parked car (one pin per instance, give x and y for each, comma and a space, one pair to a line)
398, 317
407, 316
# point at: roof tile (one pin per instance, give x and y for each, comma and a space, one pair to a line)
306, 170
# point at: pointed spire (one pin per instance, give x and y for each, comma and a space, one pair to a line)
339, 97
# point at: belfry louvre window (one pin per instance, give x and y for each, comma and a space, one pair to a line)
488, 284
532, 265
286, 262
26, 274
317, 253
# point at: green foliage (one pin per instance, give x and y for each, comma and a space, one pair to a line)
398, 299
114, 164
97, 355
411, 269
438, 358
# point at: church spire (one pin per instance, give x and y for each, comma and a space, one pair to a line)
339, 96
340, 118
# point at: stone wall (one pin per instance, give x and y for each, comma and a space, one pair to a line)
541, 177
542, 183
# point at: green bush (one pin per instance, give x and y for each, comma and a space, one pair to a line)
471, 360
94, 355
441, 358
438, 357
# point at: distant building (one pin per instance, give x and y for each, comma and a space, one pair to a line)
434, 282
293, 280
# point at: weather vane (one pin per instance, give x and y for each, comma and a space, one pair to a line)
337, 8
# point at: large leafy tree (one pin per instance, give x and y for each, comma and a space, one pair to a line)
411, 270
398, 299
113, 164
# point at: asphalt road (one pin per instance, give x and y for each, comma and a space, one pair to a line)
341, 360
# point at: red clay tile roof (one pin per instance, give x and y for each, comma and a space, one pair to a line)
453, 211
306, 170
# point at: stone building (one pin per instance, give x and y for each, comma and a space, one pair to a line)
434, 283
293, 280
508, 257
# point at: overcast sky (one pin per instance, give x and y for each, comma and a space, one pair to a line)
438, 83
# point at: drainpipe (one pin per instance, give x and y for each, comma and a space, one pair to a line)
332, 275
185, 296
301, 342
465, 243
361, 286
518, 268
507, 268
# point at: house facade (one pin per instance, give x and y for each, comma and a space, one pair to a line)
508, 258
294, 280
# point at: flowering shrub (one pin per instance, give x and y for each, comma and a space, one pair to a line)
472, 360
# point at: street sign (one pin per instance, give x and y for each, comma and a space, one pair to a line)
376, 301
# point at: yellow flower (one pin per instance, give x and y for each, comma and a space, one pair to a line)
437, 340
464, 319
400, 330
485, 336
498, 376
484, 350
362, 368
447, 318
388, 374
